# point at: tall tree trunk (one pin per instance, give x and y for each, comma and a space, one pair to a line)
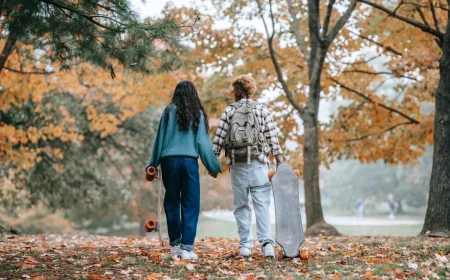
314, 213
437, 219
7, 49
315, 222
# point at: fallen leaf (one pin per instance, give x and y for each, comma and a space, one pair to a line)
304, 255
190, 266
368, 274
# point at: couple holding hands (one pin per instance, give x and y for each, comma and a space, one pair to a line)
247, 132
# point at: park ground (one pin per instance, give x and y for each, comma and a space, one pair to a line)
109, 257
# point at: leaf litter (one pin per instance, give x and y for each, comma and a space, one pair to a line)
53, 256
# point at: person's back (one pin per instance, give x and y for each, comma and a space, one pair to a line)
176, 141
248, 161
181, 139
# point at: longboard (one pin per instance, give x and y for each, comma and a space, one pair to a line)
151, 225
289, 229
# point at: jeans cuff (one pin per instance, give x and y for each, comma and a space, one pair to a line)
175, 242
187, 247
264, 241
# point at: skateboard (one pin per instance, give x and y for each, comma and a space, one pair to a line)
289, 229
152, 225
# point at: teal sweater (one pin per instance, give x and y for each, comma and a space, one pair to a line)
171, 141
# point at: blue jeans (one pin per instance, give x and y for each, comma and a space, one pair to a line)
181, 181
254, 179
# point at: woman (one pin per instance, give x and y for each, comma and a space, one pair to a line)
183, 137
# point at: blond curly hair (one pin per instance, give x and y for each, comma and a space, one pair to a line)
247, 83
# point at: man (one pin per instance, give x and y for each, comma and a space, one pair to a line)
248, 132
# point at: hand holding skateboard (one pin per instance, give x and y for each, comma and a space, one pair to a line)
150, 173
151, 225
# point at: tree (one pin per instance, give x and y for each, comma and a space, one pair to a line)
432, 18
373, 121
99, 32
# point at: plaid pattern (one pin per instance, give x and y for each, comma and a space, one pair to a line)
266, 125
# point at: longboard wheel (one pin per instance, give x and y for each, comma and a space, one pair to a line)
297, 172
151, 225
151, 170
271, 173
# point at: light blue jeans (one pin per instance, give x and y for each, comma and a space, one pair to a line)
251, 178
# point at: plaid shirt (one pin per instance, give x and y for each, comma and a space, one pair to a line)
266, 126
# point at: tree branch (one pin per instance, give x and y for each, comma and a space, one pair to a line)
277, 66
296, 29
372, 101
29, 72
376, 133
328, 16
415, 23
419, 10
433, 12
7, 49
390, 49
80, 13
341, 22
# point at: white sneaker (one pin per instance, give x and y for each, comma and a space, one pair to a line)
175, 250
188, 255
244, 252
268, 251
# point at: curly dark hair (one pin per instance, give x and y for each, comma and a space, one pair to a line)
188, 106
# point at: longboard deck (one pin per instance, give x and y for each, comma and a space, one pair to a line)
289, 229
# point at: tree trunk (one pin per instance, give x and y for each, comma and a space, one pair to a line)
437, 219
7, 50
314, 213
315, 222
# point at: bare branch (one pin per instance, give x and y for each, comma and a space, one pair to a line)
433, 12
377, 133
419, 10
377, 73
372, 101
341, 22
367, 72
296, 29
415, 23
29, 72
390, 49
328, 16
361, 61
277, 66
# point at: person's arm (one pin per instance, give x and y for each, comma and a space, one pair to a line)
205, 150
157, 145
221, 132
270, 133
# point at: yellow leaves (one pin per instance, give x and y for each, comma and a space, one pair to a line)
91, 113
106, 124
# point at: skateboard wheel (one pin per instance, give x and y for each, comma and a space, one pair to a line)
151, 170
297, 172
150, 226
271, 173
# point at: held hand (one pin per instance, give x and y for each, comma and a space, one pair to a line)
214, 175
279, 159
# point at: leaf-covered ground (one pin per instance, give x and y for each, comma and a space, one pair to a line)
97, 257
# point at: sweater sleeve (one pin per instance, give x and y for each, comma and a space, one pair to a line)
205, 150
157, 145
